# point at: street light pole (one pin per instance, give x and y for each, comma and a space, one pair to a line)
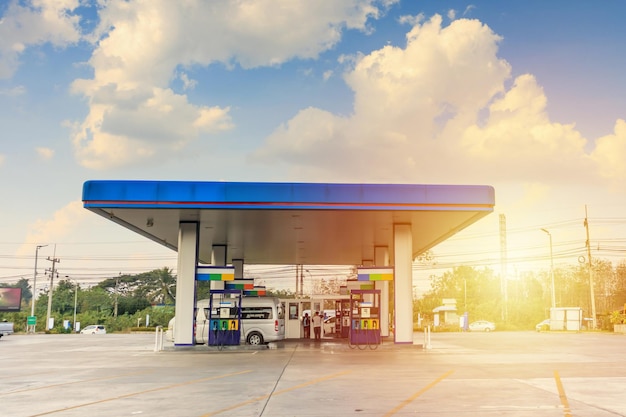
32, 306
551, 268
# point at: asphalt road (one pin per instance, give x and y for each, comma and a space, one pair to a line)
509, 374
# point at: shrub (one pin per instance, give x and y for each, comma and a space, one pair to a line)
618, 318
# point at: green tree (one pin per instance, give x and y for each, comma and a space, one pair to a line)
476, 291
27, 294
328, 285
605, 285
528, 300
131, 304
63, 297
98, 301
272, 292
618, 297
572, 288
157, 286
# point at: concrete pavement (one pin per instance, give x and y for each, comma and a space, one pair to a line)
474, 374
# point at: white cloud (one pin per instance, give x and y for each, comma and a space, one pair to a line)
308, 137
133, 127
411, 20
188, 84
468, 9
610, 154
307, 72
139, 45
531, 195
439, 110
35, 22
45, 153
410, 106
13, 92
520, 142
64, 222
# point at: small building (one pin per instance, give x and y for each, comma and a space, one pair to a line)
566, 318
446, 315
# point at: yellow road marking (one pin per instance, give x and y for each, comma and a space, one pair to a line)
263, 397
82, 381
119, 397
418, 393
27, 375
559, 385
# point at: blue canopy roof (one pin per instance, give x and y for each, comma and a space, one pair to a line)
290, 223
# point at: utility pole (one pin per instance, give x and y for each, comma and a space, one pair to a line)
52, 272
32, 306
591, 284
551, 268
301, 280
298, 281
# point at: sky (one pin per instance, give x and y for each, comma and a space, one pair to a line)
526, 96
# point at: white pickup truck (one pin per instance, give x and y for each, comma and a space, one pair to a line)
6, 328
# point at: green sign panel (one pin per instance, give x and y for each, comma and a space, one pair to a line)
31, 320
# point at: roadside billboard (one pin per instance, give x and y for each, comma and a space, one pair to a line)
10, 299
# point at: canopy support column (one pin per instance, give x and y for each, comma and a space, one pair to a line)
186, 283
403, 279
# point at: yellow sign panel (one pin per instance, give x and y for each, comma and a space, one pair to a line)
224, 325
369, 324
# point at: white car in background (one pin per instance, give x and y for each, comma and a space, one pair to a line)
482, 326
330, 326
543, 326
94, 329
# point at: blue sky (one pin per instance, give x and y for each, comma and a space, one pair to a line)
526, 96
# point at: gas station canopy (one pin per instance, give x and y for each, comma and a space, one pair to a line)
290, 223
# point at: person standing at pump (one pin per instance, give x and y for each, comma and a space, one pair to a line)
317, 326
306, 323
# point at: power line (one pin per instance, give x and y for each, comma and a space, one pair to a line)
100, 267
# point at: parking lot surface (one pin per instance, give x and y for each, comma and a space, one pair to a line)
461, 374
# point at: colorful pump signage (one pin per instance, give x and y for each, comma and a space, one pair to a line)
375, 274
215, 273
227, 275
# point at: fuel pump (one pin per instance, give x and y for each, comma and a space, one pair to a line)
364, 319
224, 318
342, 318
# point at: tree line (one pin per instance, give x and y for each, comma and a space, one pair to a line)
120, 303
124, 301
528, 299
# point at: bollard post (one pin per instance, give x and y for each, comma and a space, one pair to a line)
158, 339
